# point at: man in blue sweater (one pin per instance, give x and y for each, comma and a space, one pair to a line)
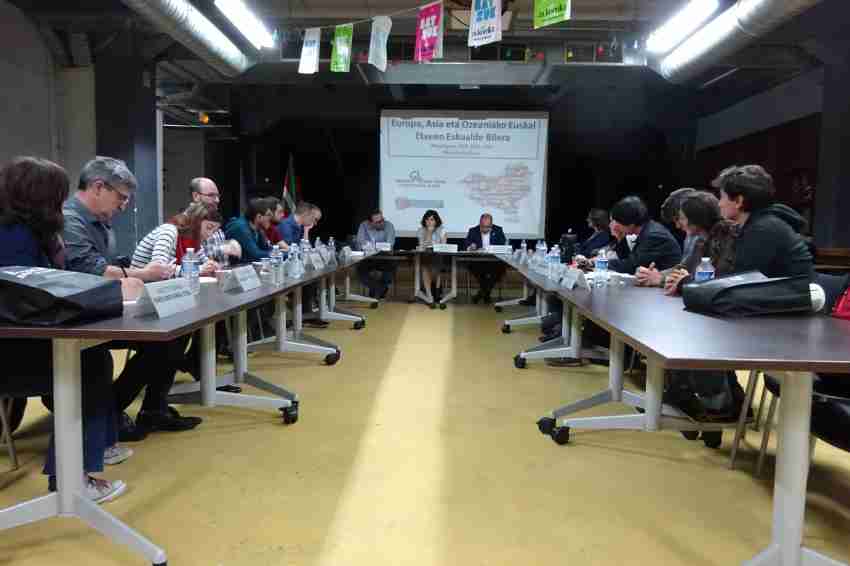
250, 229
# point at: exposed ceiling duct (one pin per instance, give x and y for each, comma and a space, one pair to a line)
732, 30
183, 22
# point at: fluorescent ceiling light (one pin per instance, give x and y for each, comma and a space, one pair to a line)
680, 26
701, 42
246, 22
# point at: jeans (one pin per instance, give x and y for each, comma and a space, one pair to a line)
36, 378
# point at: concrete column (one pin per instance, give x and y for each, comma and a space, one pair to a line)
832, 199
126, 127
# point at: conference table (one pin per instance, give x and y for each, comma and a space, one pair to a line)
790, 347
69, 341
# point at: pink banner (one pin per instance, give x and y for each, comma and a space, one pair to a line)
429, 30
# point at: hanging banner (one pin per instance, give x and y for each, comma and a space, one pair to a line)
309, 63
381, 27
485, 22
429, 33
548, 12
341, 54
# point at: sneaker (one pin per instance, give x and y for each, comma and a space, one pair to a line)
116, 454
101, 491
98, 490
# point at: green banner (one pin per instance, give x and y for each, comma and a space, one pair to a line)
341, 55
548, 12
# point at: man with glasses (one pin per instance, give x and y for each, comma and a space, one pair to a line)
217, 247
106, 187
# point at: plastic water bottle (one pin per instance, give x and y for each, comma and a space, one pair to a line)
191, 270
602, 274
705, 271
276, 258
332, 245
523, 246
553, 259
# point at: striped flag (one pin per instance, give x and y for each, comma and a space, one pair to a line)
290, 187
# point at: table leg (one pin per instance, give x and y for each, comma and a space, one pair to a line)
69, 499
328, 310
417, 281
349, 296
566, 346
792, 472
510, 302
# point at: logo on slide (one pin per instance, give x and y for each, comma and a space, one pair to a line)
415, 180
502, 192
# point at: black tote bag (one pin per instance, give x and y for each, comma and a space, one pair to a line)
749, 294
38, 296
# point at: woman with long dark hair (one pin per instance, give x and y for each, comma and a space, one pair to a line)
32, 191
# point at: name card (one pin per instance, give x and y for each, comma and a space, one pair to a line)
383, 246
166, 298
500, 250
316, 260
446, 248
326, 256
242, 279
574, 278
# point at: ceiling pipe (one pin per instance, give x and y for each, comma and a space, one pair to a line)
182, 21
743, 23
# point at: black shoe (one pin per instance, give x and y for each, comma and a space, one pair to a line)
128, 431
230, 389
550, 336
528, 301
475, 298
383, 294
169, 421
316, 323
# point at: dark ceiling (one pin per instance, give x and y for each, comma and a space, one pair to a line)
79, 33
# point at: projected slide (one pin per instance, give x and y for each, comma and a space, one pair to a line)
463, 164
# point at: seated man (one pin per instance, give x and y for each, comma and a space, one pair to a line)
105, 188
295, 228
482, 237
654, 244
376, 230
250, 228
272, 233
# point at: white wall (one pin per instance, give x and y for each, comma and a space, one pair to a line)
183, 160
28, 124
789, 101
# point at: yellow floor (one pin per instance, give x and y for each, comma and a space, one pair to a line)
419, 448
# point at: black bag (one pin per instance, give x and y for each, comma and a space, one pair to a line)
39, 296
748, 294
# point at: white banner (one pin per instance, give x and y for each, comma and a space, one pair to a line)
381, 27
485, 22
309, 63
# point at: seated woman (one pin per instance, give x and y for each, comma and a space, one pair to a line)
32, 191
169, 242
701, 222
714, 238
598, 220
431, 233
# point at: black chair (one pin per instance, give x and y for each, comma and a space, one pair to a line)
828, 389
13, 404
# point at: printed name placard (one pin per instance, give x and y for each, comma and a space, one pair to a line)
317, 260
575, 278
242, 279
446, 248
383, 247
166, 298
500, 250
326, 256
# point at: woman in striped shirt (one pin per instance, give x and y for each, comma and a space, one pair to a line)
168, 242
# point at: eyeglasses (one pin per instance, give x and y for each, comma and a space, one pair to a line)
122, 196
214, 196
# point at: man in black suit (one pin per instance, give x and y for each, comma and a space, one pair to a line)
655, 245
481, 237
